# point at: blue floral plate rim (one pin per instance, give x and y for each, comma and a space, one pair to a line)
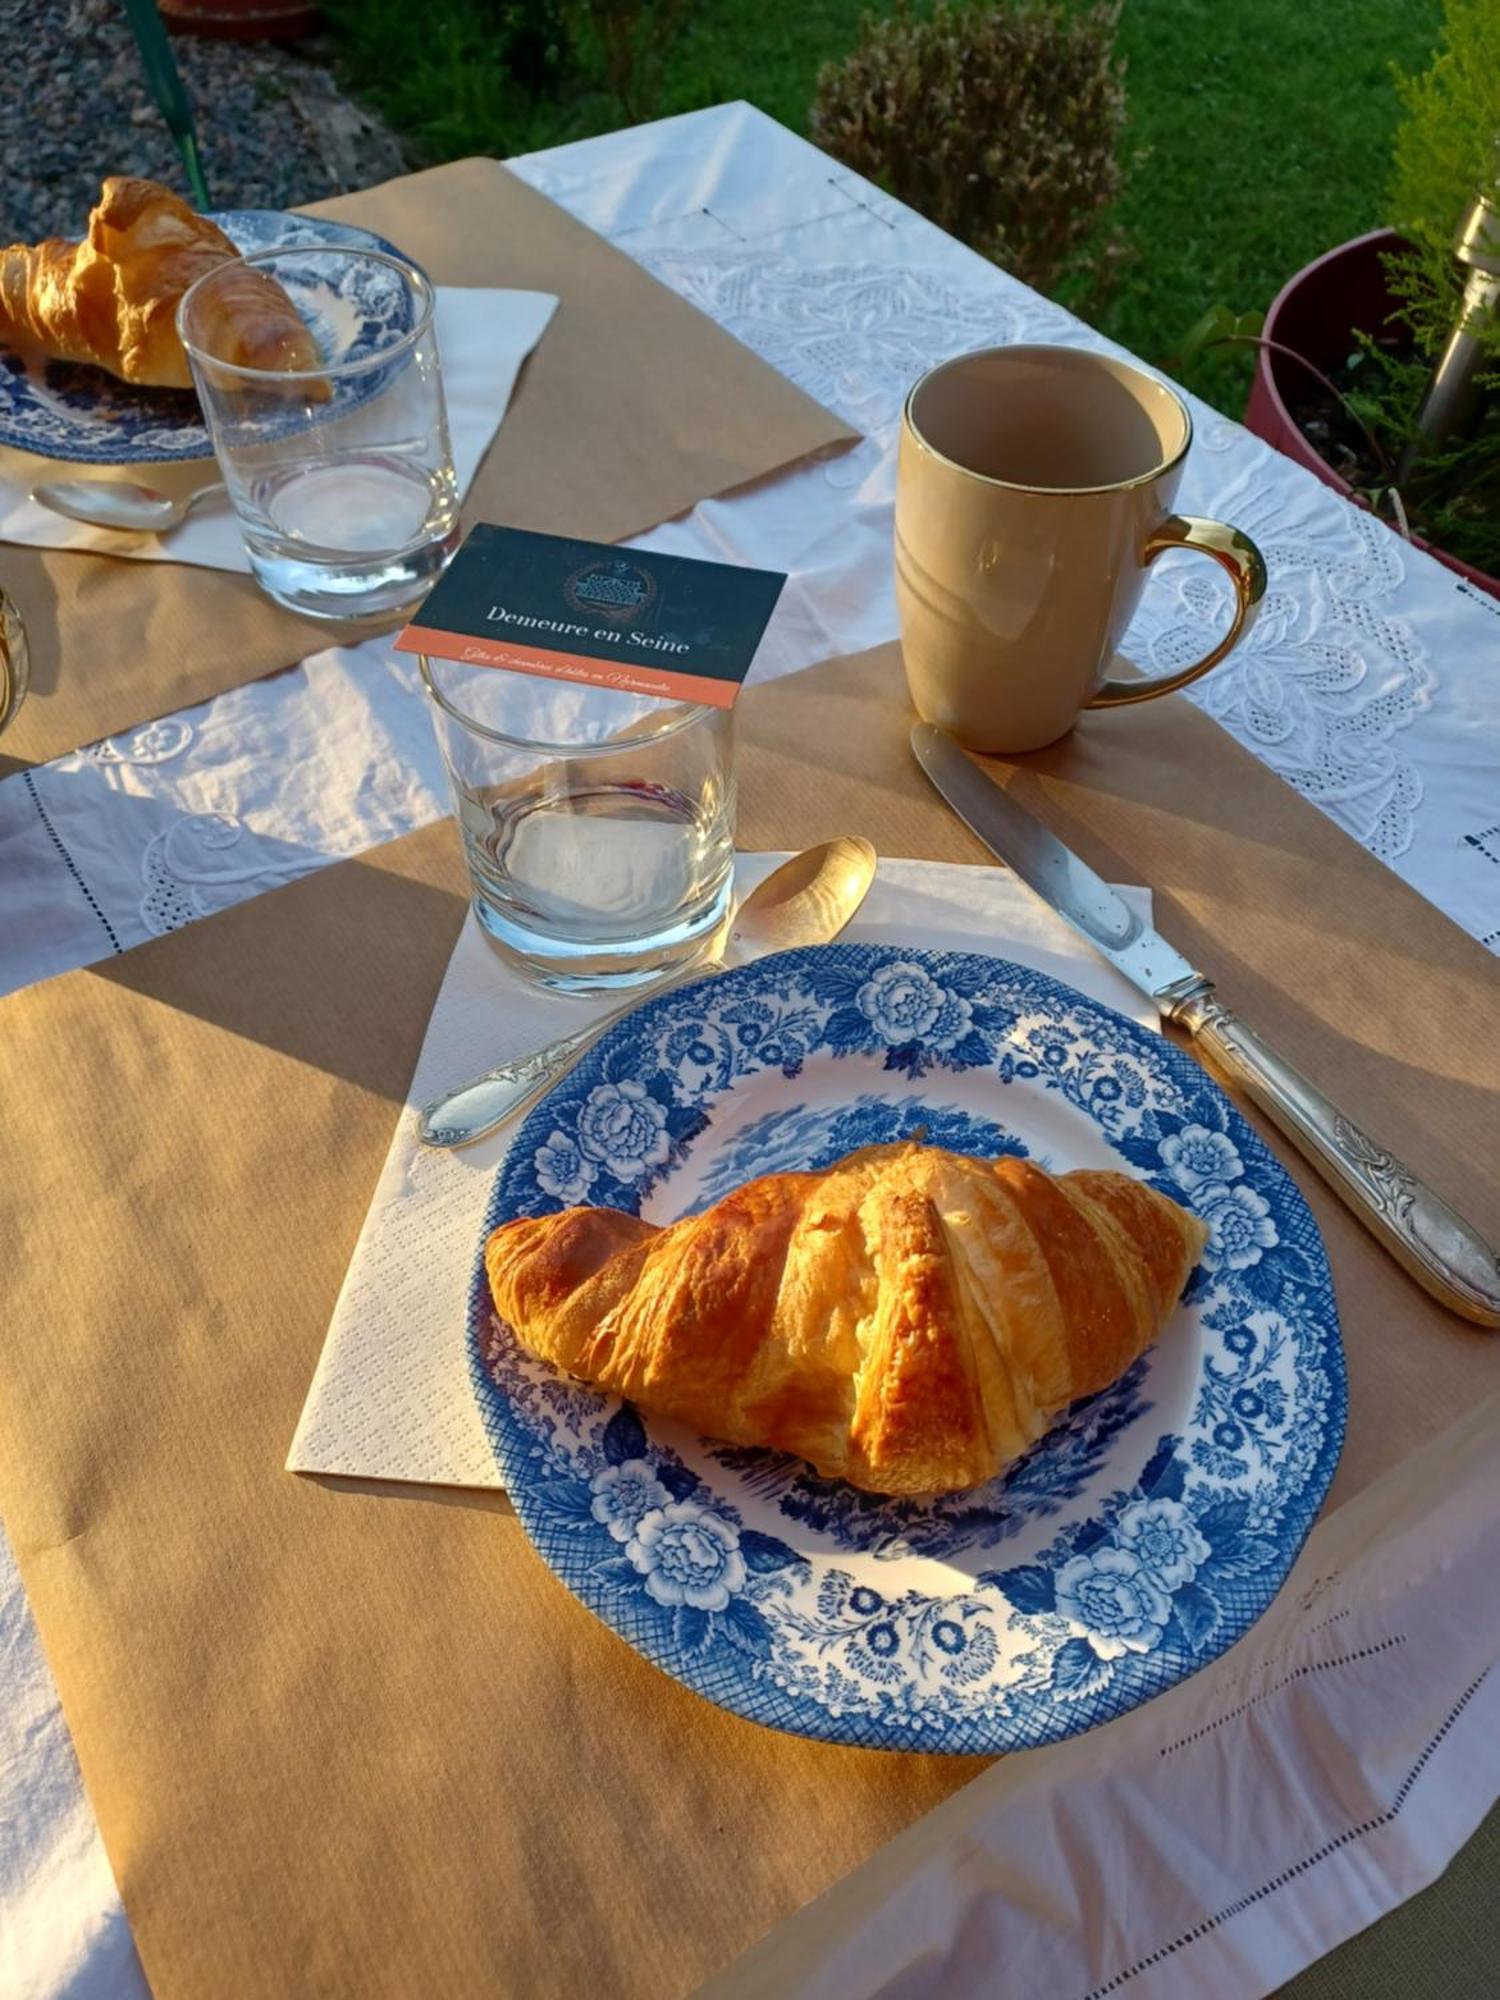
670, 1545
84, 416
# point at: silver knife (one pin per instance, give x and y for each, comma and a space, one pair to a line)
1445, 1254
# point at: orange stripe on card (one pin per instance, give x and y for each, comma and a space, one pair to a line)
629, 676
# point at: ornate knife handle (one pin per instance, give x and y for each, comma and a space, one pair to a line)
1446, 1255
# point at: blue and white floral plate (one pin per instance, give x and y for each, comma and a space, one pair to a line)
1132, 1545
62, 409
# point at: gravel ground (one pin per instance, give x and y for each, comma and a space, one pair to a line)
273, 127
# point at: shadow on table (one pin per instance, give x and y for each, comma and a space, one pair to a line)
1442, 1945
338, 970
487, 1499
34, 594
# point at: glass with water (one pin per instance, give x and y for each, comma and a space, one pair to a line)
598, 826
341, 476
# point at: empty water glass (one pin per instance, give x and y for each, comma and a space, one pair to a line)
341, 474
598, 826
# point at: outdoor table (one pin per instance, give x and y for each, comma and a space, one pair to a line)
1370, 685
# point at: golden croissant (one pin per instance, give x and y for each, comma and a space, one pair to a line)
910, 1320
111, 300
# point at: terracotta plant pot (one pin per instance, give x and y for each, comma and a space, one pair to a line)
240, 20
1318, 313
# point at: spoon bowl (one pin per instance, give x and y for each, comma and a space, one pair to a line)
121, 504
807, 900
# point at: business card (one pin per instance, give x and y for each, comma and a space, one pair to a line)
569, 610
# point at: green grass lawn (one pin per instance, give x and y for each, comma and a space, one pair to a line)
1259, 133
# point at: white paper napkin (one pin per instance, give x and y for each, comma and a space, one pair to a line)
391, 1397
483, 337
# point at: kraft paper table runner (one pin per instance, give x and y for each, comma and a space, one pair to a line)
340, 1742
634, 407
360, 1741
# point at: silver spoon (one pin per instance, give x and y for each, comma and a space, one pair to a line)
110, 503
807, 900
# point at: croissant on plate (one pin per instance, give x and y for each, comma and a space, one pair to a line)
111, 300
909, 1320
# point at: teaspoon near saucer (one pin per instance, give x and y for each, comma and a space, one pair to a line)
122, 505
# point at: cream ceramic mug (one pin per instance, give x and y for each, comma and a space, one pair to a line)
1035, 486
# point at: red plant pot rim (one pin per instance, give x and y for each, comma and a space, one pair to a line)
242, 20
1268, 417
1267, 363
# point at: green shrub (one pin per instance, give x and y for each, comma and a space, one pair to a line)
504, 76
623, 42
531, 41
1367, 423
1447, 151
632, 37
1002, 124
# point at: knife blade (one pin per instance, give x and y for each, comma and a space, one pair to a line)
1445, 1254
1055, 873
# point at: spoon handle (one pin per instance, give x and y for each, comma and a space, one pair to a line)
203, 493
482, 1105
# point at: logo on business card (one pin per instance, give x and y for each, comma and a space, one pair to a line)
614, 588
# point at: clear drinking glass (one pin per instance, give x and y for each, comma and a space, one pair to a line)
341, 475
598, 826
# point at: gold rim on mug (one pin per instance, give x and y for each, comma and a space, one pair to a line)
611, 747
1123, 370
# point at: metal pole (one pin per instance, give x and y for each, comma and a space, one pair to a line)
172, 100
1451, 406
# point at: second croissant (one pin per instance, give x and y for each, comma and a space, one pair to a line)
111, 300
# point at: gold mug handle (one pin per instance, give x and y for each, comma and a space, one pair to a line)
1236, 554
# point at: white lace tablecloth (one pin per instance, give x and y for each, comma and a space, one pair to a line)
1371, 684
